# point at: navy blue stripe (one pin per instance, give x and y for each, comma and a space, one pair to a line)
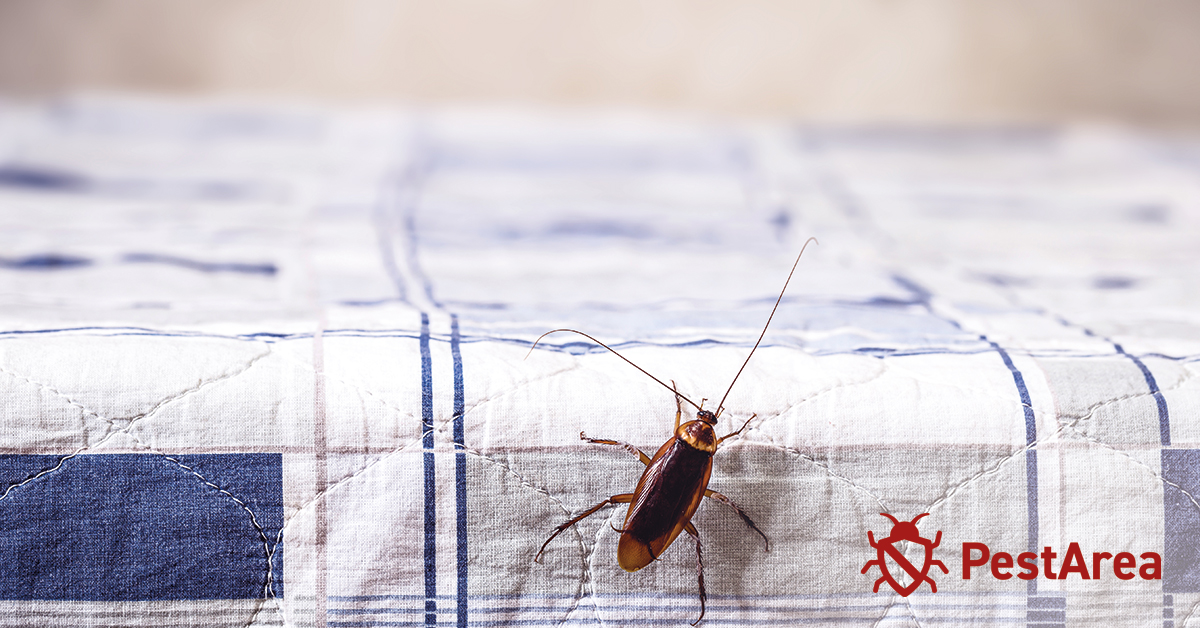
1048, 602
430, 488
1031, 474
271, 338
414, 262
1164, 431
262, 268
667, 621
1031, 500
1059, 617
1164, 418
1057, 603
662, 596
414, 178
1026, 402
384, 220
572, 347
460, 469
42, 179
44, 261
925, 297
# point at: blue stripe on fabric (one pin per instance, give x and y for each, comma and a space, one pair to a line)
1056, 603
139, 527
1019, 379
412, 180
1164, 435
925, 297
1031, 471
260, 268
1048, 602
430, 487
680, 597
387, 253
43, 179
1173, 513
570, 347
1164, 418
1181, 544
44, 261
460, 468
665, 621
1031, 503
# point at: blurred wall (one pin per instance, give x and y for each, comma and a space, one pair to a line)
914, 60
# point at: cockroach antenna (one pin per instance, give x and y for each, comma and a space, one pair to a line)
721, 406
615, 352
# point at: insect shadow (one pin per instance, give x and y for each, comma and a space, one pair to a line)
675, 479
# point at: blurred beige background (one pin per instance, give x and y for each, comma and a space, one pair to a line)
843, 60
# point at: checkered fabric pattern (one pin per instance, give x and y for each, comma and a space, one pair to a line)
271, 366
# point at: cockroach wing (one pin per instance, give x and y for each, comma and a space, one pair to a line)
666, 497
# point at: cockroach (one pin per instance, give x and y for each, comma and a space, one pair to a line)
675, 479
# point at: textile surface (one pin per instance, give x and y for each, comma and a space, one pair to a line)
268, 366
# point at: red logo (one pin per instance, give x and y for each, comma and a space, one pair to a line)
904, 531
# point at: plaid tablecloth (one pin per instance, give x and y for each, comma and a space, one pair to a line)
267, 366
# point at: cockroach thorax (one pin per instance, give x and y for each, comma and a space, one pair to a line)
699, 435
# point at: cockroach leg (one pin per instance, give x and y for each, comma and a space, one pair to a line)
623, 498
691, 529
741, 513
619, 443
678, 406
739, 430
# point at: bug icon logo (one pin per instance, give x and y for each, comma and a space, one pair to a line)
886, 548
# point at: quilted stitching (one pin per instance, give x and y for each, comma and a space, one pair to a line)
886, 385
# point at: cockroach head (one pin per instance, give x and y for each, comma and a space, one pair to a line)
707, 417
